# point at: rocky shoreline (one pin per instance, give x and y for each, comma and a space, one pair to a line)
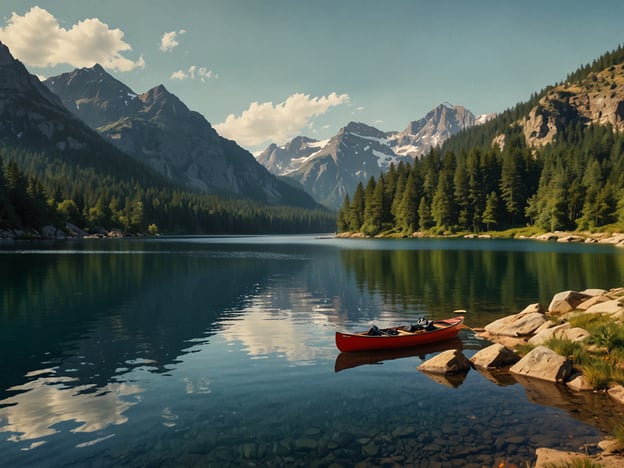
535, 326
69, 231
613, 238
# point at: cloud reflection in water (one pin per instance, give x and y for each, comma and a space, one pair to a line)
47, 401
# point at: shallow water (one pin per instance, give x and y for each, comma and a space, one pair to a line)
219, 351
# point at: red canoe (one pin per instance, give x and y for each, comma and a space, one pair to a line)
399, 337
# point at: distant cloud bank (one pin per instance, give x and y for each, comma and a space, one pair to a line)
37, 39
264, 123
193, 72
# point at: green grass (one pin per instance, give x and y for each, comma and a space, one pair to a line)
618, 433
609, 335
574, 349
590, 322
524, 349
600, 372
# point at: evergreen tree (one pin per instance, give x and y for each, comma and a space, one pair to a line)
442, 209
490, 215
356, 210
407, 217
344, 214
513, 182
462, 193
375, 209
425, 221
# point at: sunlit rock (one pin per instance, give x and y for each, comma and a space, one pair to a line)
617, 393
580, 384
566, 301
563, 331
494, 357
607, 307
591, 302
551, 457
451, 361
543, 363
521, 324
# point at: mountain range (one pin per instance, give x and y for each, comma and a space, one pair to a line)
158, 129
329, 169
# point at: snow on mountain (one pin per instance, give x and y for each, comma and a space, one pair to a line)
329, 169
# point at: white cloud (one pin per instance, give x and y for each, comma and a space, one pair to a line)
38, 40
193, 72
265, 122
169, 42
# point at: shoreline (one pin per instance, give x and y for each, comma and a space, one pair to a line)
612, 238
539, 327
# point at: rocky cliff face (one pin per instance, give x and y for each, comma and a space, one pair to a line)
597, 99
159, 130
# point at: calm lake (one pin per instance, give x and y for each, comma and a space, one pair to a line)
219, 351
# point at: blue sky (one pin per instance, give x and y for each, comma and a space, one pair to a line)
264, 71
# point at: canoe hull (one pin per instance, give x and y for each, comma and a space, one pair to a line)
447, 329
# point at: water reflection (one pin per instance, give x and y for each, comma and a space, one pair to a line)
286, 334
49, 400
198, 352
501, 278
349, 360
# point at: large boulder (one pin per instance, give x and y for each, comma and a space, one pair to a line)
494, 357
545, 364
521, 324
451, 361
564, 331
566, 301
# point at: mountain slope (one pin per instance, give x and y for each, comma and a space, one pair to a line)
34, 119
159, 130
30, 114
593, 94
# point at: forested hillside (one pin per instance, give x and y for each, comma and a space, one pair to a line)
38, 189
500, 175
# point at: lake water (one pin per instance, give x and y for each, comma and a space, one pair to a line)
219, 351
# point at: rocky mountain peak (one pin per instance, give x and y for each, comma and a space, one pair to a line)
5, 55
93, 95
432, 130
